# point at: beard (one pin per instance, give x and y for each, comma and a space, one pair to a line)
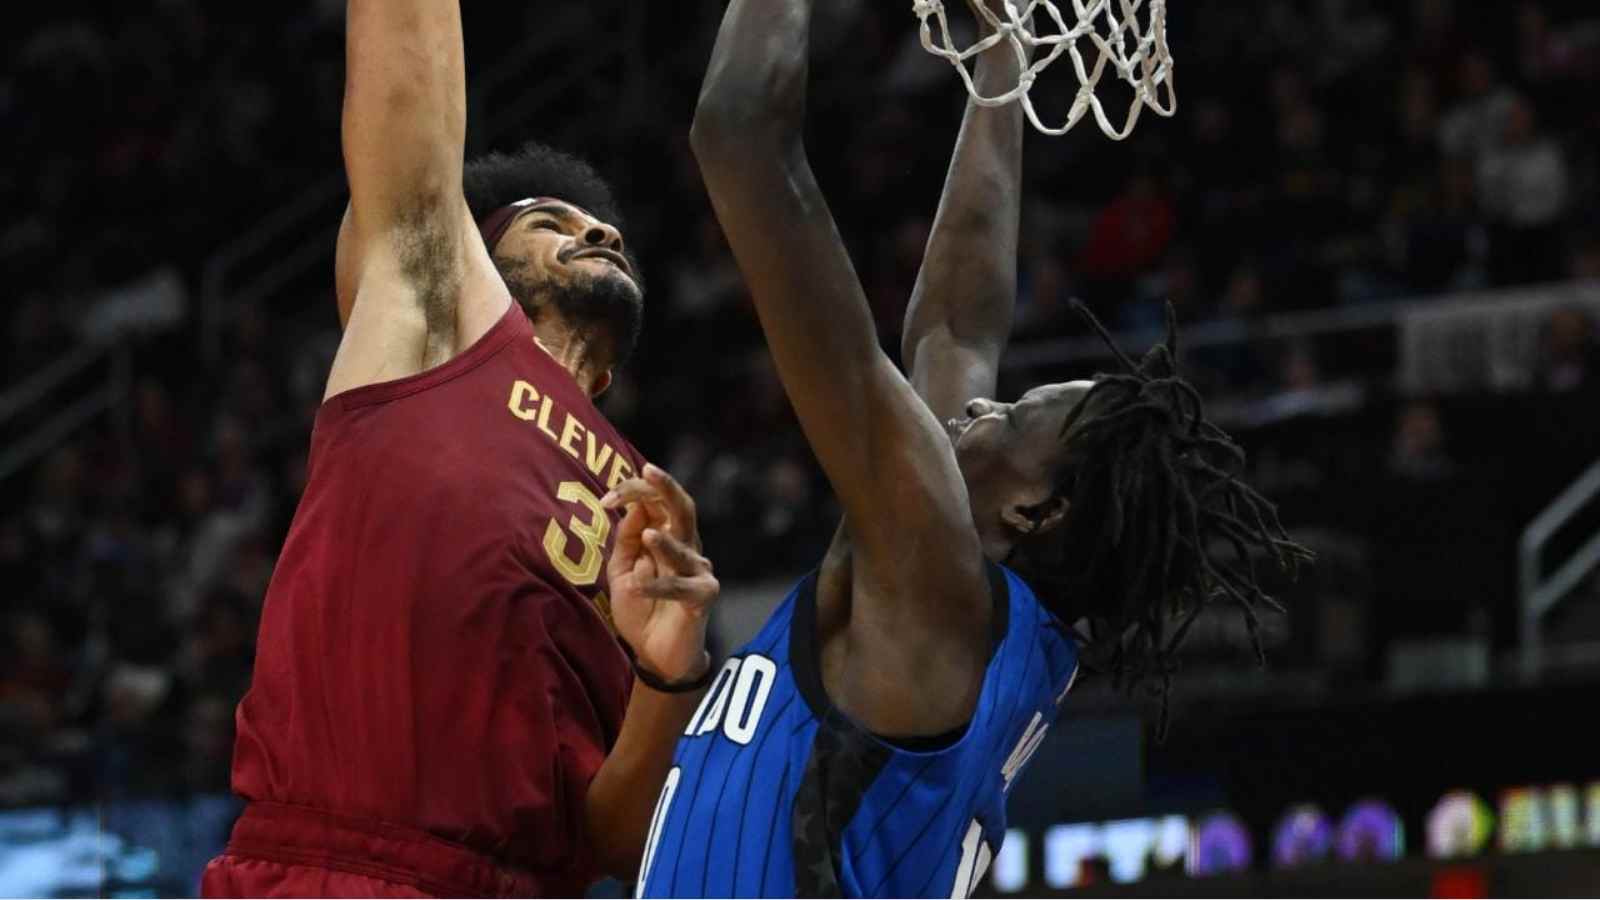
608, 307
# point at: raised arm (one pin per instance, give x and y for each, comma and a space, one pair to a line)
408, 249
961, 308
918, 568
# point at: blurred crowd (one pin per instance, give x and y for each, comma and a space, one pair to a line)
1327, 154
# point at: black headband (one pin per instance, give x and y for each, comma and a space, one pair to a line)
494, 225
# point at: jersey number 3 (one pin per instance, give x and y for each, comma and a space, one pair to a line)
592, 534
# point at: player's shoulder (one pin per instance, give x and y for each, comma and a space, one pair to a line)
362, 376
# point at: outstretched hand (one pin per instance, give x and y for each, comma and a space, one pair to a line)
983, 9
662, 588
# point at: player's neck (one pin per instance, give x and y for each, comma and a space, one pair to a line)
570, 350
997, 540
998, 544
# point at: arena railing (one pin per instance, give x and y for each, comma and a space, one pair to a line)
1541, 594
1286, 326
1451, 342
58, 384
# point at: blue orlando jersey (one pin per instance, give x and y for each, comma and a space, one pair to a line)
774, 792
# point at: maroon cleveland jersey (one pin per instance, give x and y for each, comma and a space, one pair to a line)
435, 648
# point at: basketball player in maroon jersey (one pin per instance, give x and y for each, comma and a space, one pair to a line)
441, 703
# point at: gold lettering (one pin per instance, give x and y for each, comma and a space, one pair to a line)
522, 393
544, 418
527, 404
597, 464
592, 534
620, 469
569, 432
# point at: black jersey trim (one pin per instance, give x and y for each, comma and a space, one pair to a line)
803, 658
1000, 593
806, 662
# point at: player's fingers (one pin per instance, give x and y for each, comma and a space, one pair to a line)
678, 501
636, 493
630, 534
631, 490
697, 589
674, 555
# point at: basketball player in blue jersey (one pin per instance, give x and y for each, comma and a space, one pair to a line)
864, 742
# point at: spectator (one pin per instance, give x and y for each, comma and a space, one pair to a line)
1583, 261
1445, 240
1415, 149
1418, 454
1570, 360
208, 743
1476, 123
1429, 542
34, 675
1549, 55
1524, 183
1129, 235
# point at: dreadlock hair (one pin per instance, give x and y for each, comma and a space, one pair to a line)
499, 179
1153, 487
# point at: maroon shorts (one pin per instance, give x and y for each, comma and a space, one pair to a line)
292, 851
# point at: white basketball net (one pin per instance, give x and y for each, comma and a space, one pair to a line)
1140, 59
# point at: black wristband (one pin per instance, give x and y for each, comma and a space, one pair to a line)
655, 683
